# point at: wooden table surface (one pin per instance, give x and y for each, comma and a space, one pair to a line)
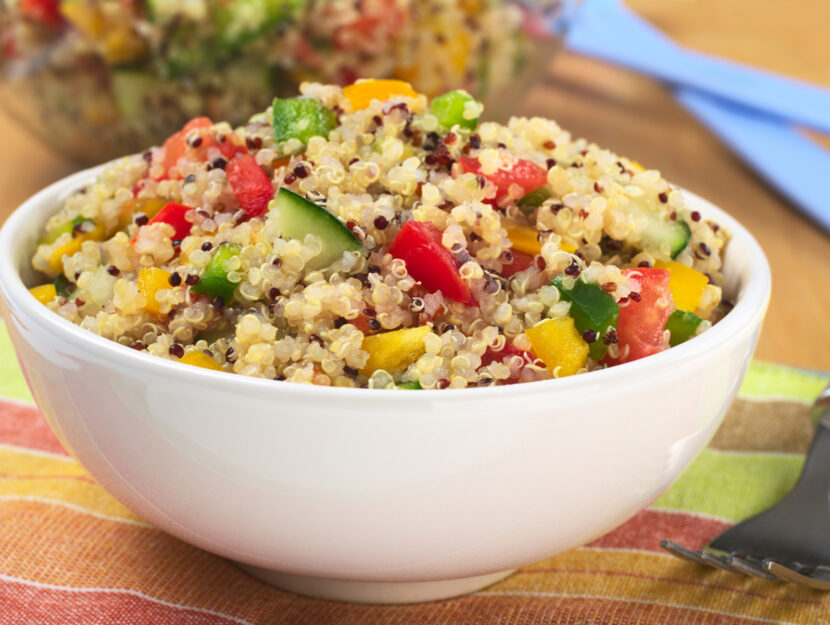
638, 117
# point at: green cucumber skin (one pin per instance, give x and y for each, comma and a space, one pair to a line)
298, 217
68, 227
659, 231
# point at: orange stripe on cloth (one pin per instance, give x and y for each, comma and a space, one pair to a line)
63, 547
32, 602
24, 426
51, 605
33, 475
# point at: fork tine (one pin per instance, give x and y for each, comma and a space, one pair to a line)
792, 576
682, 552
720, 562
751, 568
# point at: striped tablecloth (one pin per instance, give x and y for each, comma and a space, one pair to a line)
70, 554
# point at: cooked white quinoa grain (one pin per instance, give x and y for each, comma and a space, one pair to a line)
381, 167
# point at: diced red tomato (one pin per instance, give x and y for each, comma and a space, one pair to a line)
250, 184
525, 174
175, 147
379, 20
173, 213
44, 11
520, 263
429, 262
642, 321
491, 356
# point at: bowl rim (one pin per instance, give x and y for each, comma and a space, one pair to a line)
751, 304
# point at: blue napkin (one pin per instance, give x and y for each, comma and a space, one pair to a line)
750, 110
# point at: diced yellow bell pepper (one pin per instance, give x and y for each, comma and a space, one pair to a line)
558, 343
198, 358
122, 45
151, 280
44, 293
84, 16
686, 284
148, 206
73, 246
394, 351
361, 94
459, 51
525, 239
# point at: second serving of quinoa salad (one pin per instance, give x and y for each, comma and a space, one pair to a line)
367, 237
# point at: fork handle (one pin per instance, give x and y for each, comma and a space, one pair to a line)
814, 482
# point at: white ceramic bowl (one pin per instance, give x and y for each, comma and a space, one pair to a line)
371, 495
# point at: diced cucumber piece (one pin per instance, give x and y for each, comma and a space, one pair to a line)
449, 108
55, 233
297, 217
214, 279
660, 231
240, 21
301, 118
409, 386
682, 325
591, 309
132, 91
162, 11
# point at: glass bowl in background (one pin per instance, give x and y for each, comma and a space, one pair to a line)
100, 78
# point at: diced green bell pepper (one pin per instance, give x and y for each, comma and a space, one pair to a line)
682, 325
64, 287
449, 109
534, 199
410, 386
67, 227
301, 118
214, 279
591, 309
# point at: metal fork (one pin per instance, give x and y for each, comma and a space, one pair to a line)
791, 540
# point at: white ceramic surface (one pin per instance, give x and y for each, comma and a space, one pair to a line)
371, 495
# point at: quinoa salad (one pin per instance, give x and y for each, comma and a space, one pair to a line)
367, 236
100, 78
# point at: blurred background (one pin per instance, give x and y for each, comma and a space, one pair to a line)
82, 81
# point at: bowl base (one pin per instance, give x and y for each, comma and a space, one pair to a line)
374, 592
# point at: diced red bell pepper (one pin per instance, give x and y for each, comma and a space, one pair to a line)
641, 323
520, 263
43, 11
175, 147
250, 184
525, 174
173, 213
429, 262
491, 356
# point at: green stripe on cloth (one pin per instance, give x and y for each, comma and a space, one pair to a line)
12, 383
732, 485
764, 379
